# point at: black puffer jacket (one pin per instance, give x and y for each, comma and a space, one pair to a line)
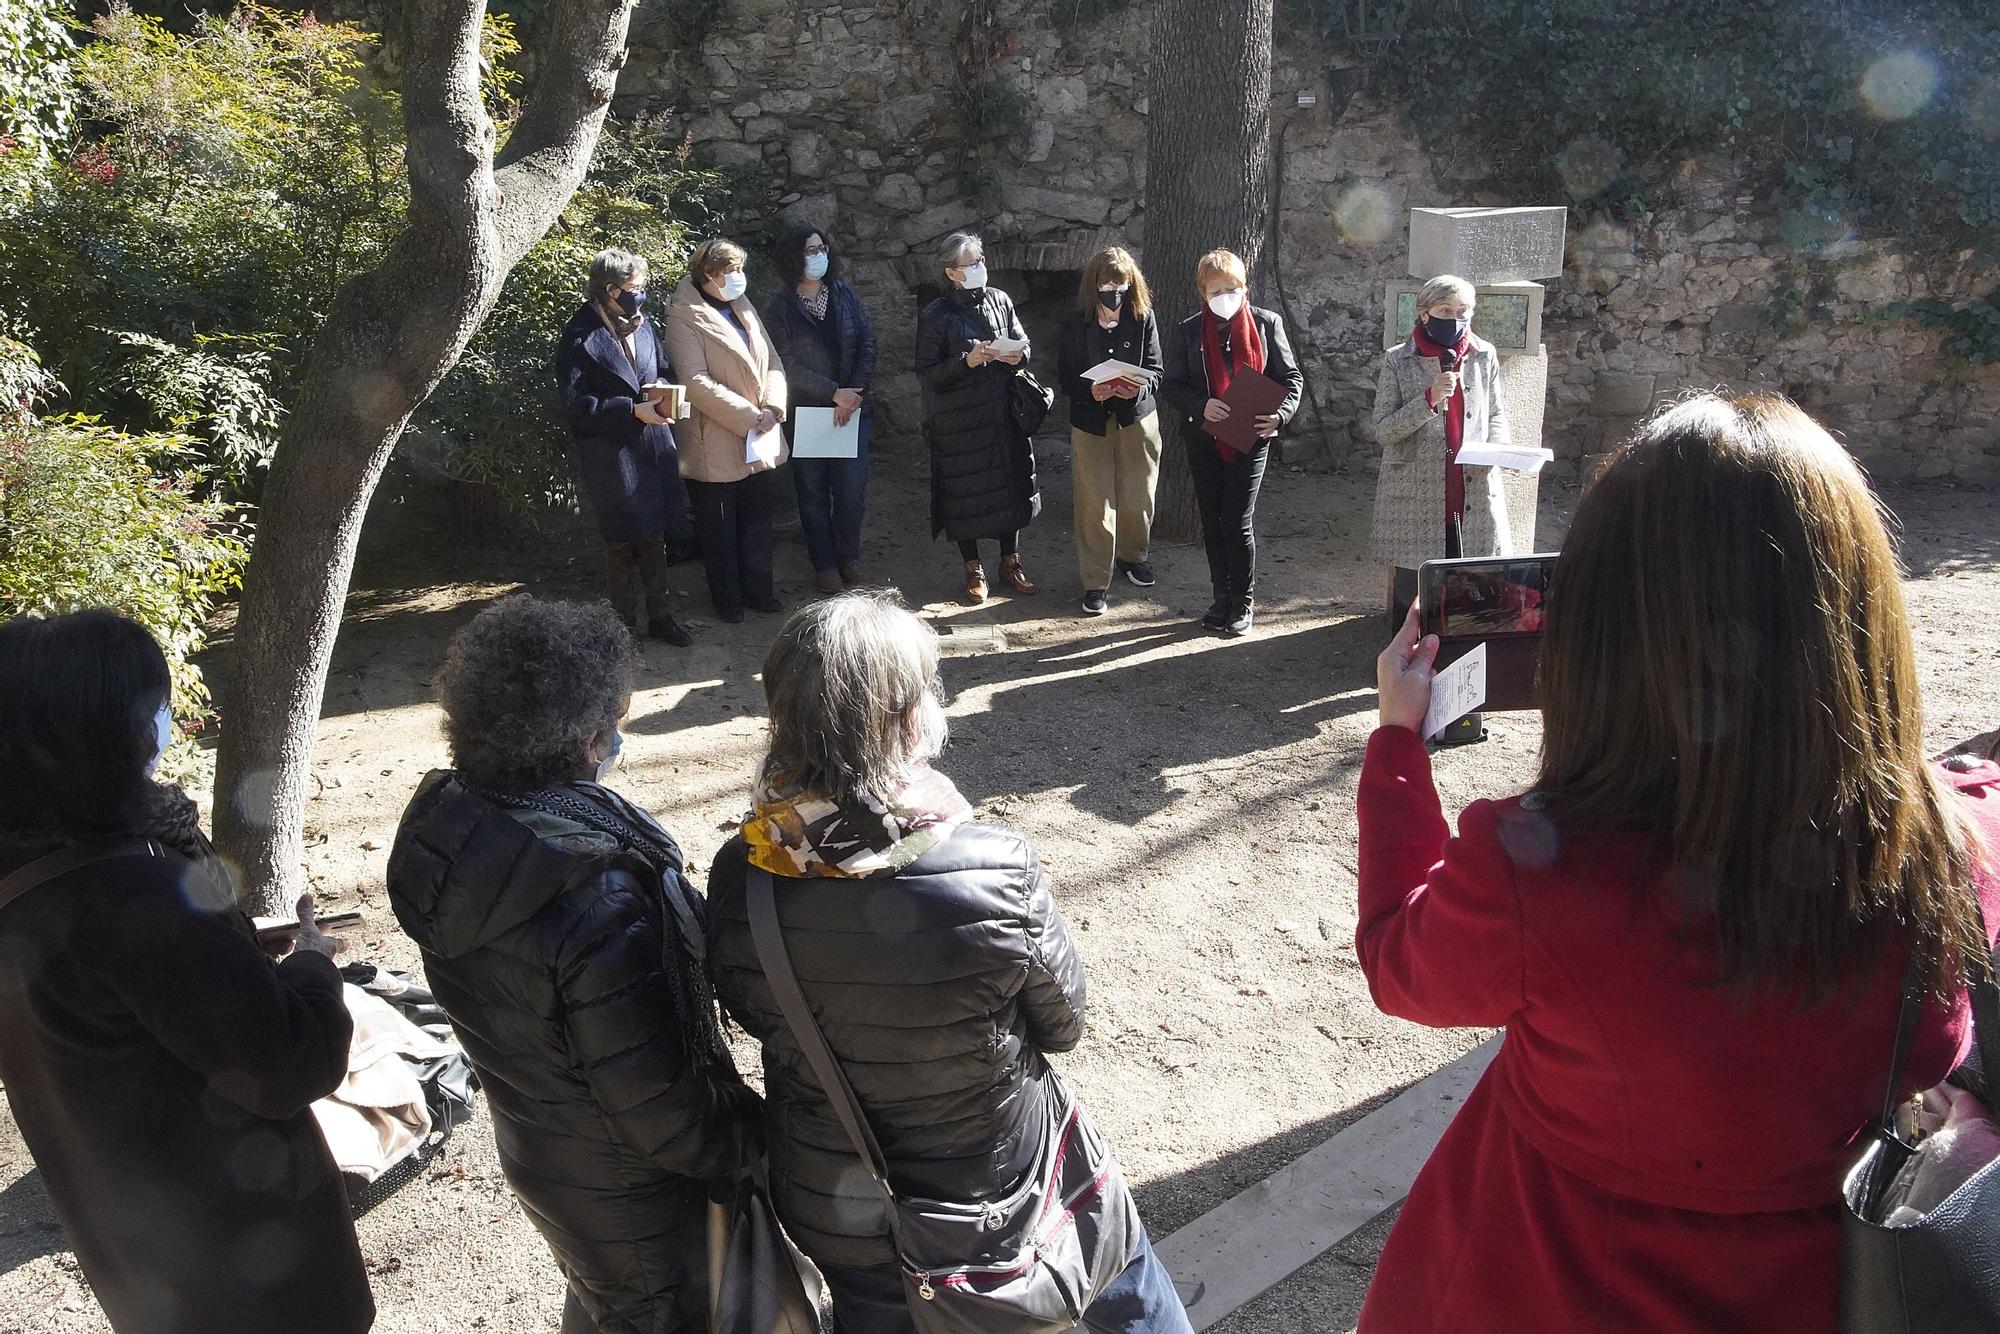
939, 989
982, 467
548, 947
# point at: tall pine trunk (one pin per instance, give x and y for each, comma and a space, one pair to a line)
1208, 174
392, 335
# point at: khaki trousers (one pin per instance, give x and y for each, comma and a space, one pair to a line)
1114, 477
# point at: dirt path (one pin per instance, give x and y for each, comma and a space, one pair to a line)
1192, 798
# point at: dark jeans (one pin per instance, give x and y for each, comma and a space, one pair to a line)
733, 521
1009, 545
1141, 1300
1225, 495
830, 498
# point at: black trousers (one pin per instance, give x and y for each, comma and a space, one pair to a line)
733, 522
1225, 496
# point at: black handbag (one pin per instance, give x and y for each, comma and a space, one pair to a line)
1027, 1262
1029, 401
758, 1283
1940, 1273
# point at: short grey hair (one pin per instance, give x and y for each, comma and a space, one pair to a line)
526, 686
852, 687
1446, 287
954, 246
614, 268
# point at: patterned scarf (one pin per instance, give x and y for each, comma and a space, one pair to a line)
804, 832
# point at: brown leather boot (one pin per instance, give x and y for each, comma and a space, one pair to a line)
851, 575
1016, 578
829, 581
975, 582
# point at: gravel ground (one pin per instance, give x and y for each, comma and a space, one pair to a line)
1191, 797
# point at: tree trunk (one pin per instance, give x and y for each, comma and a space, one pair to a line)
1208, 168
392, 335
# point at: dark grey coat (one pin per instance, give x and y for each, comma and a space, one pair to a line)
982, 467
628, 471
939, 989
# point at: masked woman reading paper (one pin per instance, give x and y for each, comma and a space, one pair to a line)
969, 345
1696, 924
1205, 352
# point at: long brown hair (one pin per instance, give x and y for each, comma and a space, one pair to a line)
1113, 265
1728, 666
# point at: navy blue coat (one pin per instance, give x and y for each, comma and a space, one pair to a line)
811, 369
628, 471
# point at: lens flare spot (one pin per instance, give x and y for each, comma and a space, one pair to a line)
1898, 85
1588, 164
1364, 215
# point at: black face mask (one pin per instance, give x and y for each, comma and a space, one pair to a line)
629, 302
1112, 299
1444, 332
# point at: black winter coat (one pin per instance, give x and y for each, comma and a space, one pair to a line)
939, 989
812, 369
1085, 343
548, 952
161, 1071
982, 467
1185, 385
629, 472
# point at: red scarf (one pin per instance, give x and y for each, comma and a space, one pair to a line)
1454, 422
1247, 348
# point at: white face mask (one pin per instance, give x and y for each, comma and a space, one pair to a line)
610, 760
816, 266
733, 285
1226, 304
975, 277
163, 736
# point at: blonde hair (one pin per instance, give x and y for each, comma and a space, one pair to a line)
1446, 287
1113, 264
715, 256
1219, 264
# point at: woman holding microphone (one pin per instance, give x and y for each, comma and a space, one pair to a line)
1437, 392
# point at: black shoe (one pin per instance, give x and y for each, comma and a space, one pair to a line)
1216, 616
1094, 602
1140, 572
731, 616
768, 606
1239, 625
680, 549
668, 629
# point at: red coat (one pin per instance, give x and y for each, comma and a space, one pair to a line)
1644, 1154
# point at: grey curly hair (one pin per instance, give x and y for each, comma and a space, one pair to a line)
852, 687
527, 684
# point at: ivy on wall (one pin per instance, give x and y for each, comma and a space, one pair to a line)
1852, 120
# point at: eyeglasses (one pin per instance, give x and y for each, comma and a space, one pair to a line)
816, 250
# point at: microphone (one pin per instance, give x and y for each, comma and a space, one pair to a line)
1448, 359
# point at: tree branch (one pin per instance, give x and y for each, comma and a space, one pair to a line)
549, 150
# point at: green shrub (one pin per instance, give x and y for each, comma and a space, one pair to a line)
92, 517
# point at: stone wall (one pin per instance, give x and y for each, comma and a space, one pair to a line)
859, 116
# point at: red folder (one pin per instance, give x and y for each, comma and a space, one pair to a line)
1251, 394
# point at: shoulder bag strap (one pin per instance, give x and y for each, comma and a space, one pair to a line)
1984, 992
55, 865
762, 904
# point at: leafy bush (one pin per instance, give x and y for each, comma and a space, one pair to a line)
36, 97
91, 517
175, 266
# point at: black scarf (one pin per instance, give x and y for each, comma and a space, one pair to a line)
636, 832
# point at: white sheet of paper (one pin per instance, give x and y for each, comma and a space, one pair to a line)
763, 446
1516, 458
1456, 691
814, 436
1004, 347
1113, 369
